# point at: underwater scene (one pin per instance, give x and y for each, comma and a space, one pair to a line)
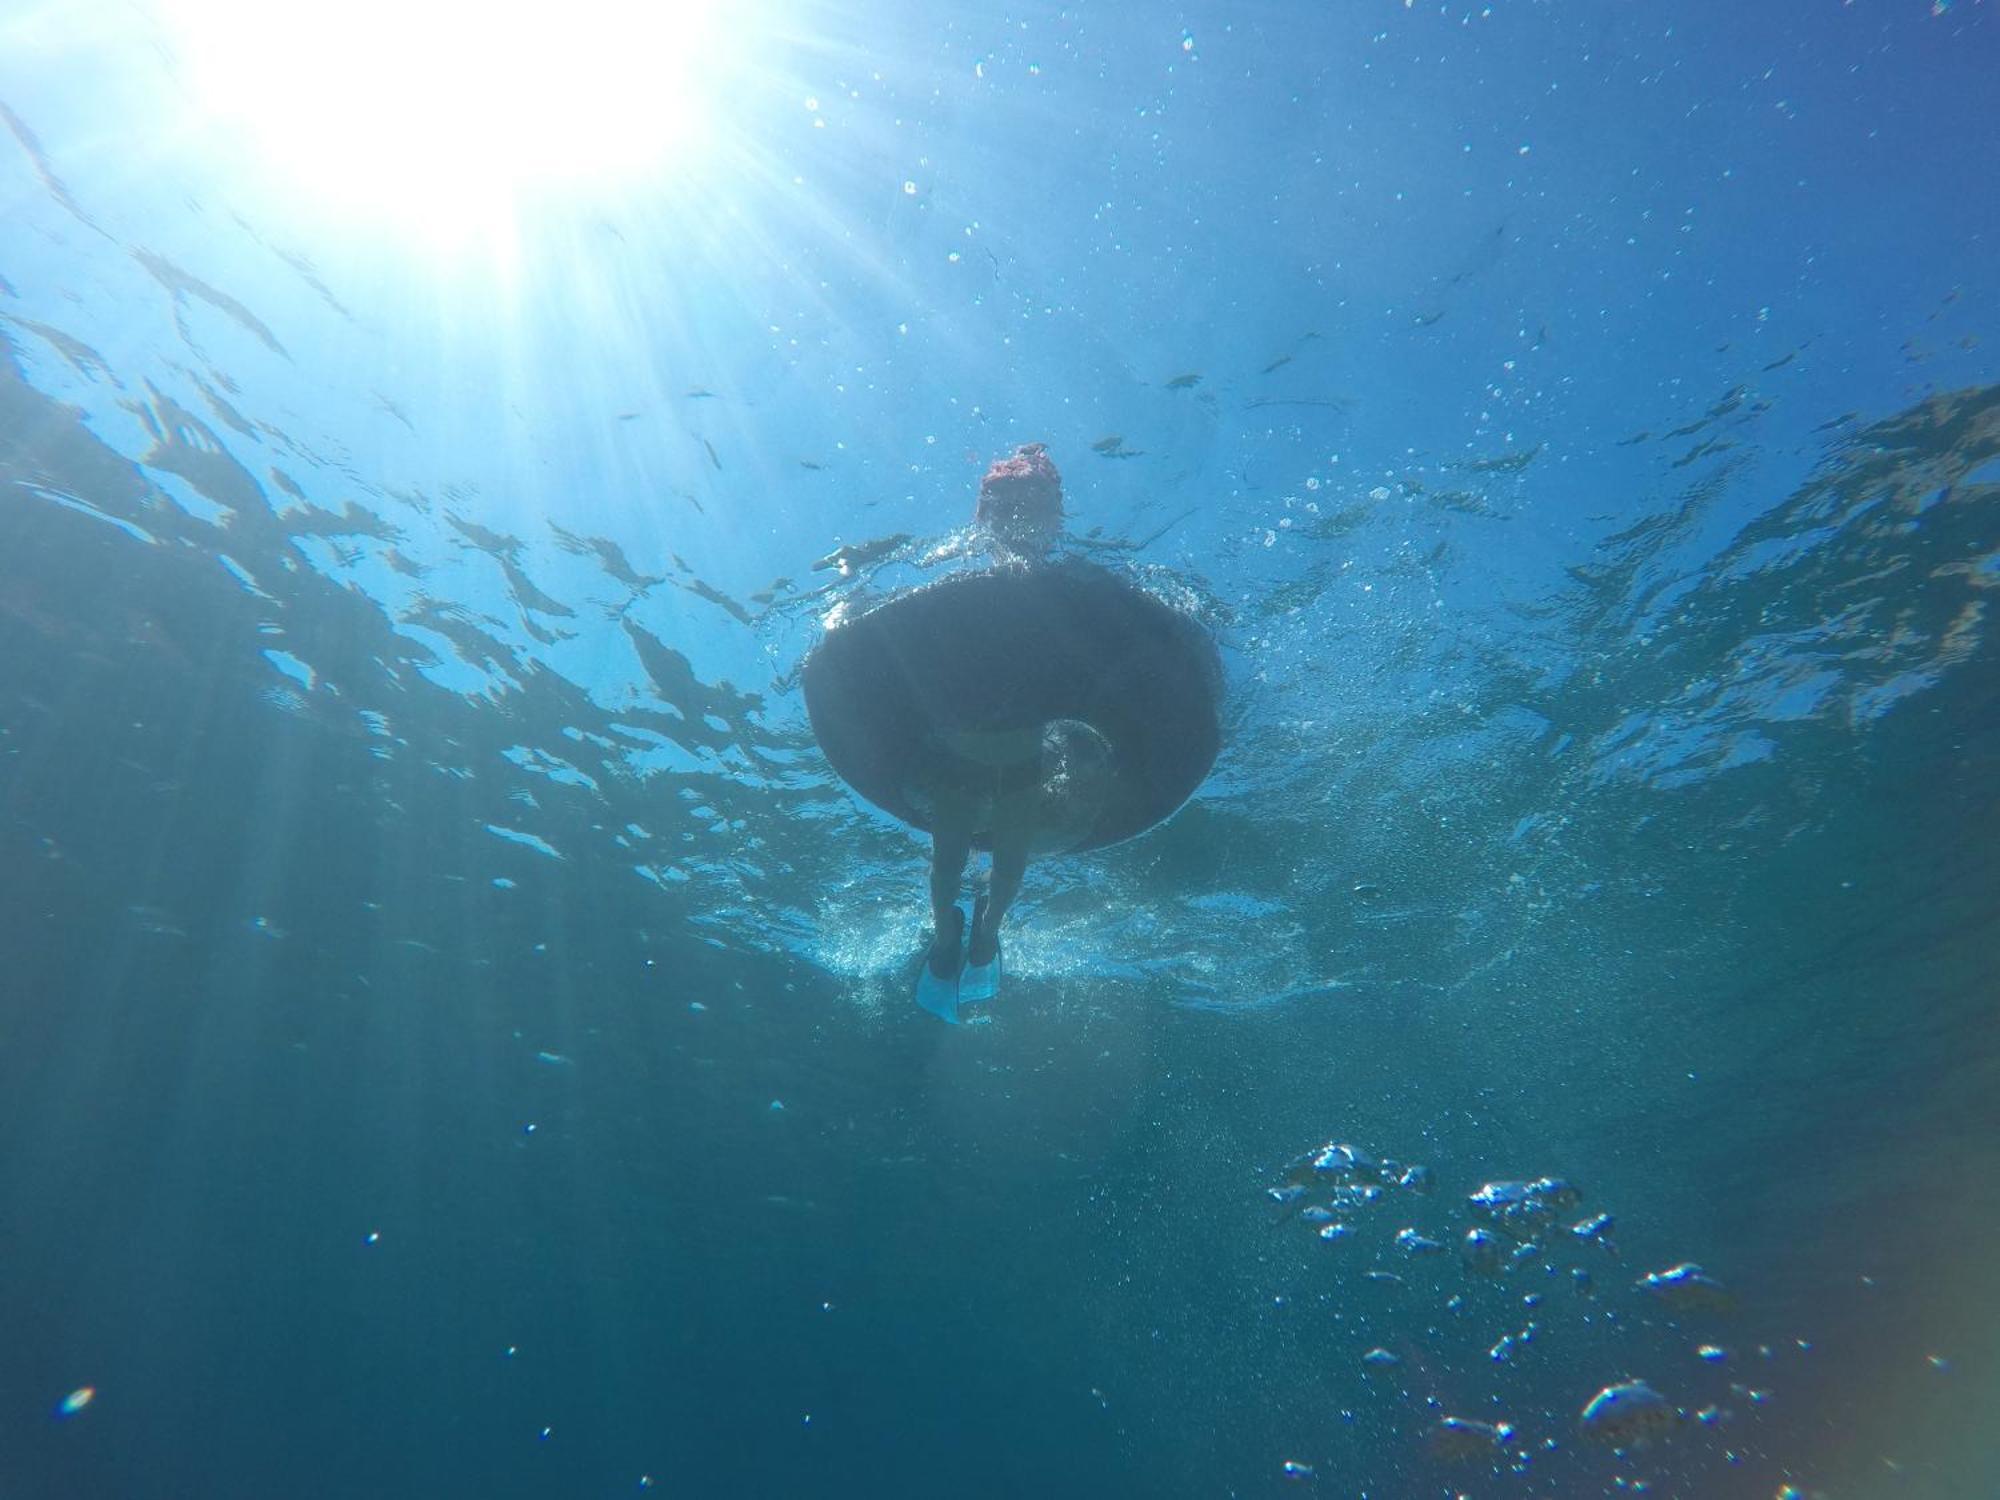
809, 749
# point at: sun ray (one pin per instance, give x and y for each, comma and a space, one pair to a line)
453, 120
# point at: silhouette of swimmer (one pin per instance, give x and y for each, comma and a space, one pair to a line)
1038, 705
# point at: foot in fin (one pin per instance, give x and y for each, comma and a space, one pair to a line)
938, 993
980, 981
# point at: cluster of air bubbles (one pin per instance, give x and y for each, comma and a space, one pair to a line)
1520, 1240
1339, 1179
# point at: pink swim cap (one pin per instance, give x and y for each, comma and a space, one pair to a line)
1021, 494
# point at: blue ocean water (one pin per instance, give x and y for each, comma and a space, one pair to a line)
455, 1030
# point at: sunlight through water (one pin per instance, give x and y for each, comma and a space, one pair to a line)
447, 117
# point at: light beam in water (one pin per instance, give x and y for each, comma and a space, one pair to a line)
445, 115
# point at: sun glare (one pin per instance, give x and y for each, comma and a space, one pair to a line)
447, 114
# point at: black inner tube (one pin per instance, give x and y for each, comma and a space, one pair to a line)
1015, 648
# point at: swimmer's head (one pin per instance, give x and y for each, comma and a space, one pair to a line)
1020, 499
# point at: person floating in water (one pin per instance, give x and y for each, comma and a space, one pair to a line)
1039, 705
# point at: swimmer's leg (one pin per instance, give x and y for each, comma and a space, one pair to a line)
982, 955
937, 983
950, 846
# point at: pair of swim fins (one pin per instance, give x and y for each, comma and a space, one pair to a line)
968, 985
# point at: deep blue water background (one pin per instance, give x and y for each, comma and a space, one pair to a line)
400, 748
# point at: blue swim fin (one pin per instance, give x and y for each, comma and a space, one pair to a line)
940, 996
983, 981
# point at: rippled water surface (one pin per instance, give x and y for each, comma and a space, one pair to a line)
455, 1031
